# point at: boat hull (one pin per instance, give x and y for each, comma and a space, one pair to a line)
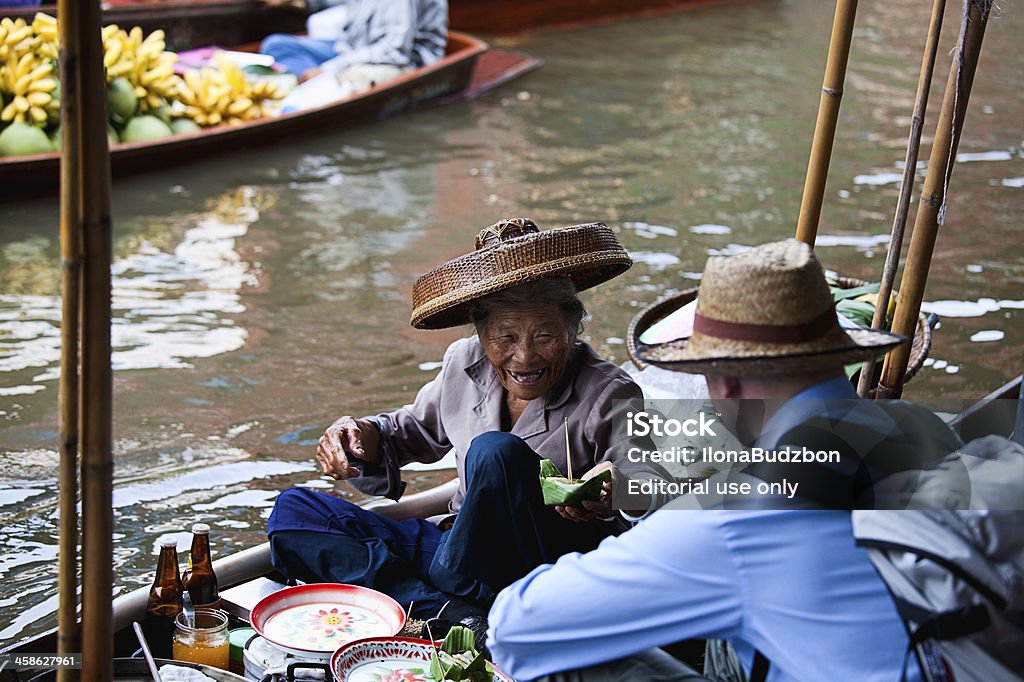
448, 79
195, 23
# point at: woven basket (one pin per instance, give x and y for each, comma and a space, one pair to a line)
642, 321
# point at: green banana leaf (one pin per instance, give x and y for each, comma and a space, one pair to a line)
458, 660
843, 293
558, 489
861, 312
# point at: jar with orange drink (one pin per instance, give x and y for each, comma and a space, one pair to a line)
204, 639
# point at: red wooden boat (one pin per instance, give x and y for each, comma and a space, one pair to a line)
194, 23
469, 69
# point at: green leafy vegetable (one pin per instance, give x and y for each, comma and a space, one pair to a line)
841, 293
860, 312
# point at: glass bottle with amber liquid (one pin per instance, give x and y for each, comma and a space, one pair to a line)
199, 579
164, 600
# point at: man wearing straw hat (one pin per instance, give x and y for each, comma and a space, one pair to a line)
524, 387
786, 587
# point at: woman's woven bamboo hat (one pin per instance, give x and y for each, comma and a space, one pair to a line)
767, 310
511, 252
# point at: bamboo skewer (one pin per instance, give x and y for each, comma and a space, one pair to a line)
96, 390
825, 126
69, 635
931, 210
892, 257
568, 452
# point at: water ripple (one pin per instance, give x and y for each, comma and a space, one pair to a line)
168, 305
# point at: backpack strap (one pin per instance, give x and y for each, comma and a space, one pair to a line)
759, 671
945, 625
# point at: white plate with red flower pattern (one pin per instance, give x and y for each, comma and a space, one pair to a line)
313, 621
388, 659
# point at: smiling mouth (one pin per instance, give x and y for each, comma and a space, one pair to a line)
527, 378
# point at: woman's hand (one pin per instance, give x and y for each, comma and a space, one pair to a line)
588, 510
347, 438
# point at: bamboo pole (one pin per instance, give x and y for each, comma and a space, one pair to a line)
825, 126
96, 379
892, 257
69, 635
931, 209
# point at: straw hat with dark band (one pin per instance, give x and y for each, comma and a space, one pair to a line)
512, 252
767, 310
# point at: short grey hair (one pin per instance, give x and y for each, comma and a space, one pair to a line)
558, 291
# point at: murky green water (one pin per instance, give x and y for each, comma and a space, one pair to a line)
259, 297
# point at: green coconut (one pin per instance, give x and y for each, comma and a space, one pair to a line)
121, 99
145, 128
19, 139
163, 112
112, 137
180, 126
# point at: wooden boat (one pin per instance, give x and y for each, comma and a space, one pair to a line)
239, 569
1000, 412
194, 23
500, 17
469, 69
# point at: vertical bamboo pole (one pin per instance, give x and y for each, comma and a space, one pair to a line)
825, 126
69, 636
892, 257
933, 195
96, 395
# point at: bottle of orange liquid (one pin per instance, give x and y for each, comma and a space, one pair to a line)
199, 579
164, 600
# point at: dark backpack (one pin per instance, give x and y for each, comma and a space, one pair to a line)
956, 574
953, 562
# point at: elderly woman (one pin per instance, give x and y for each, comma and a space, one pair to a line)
502, 401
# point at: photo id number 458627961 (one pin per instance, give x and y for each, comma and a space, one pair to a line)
39, 661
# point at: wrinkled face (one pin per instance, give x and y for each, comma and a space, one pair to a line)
528, 345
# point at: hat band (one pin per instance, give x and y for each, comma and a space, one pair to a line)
767, 333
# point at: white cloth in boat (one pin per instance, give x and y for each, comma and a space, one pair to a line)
329, 87
467, 399
179, 673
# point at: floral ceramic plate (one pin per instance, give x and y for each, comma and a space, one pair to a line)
312, 621
388, 659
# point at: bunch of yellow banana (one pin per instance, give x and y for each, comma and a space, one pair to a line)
16, 38
27, 85
224, 95
29, 89
45, 28
143, 61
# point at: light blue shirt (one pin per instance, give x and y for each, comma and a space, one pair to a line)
790, 583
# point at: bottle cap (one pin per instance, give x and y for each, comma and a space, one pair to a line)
168, 541
201, 529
